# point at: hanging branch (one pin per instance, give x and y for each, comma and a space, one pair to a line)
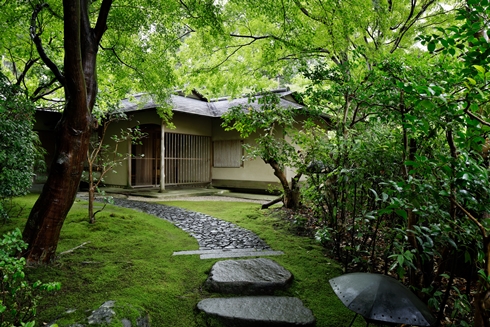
40, 92
113, 50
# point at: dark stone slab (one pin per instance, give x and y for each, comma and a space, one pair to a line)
259, 311
253, 276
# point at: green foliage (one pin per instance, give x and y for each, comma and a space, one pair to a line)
270, 122
19, 299
19, 151
263, 42
280, 136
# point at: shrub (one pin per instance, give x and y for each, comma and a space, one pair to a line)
18, 298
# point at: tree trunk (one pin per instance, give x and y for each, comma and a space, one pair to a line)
295, 194
73, 132
291, 196
91, 193
44, 224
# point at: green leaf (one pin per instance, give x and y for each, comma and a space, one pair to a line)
401, 259
479, 68
427, 104
453, 244
431, 46
443, 193
401, 213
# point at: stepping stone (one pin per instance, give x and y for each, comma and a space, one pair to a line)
259, 311
229, 253
253, 276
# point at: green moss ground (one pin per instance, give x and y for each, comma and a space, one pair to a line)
128, 258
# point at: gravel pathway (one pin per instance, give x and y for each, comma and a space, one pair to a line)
211, 233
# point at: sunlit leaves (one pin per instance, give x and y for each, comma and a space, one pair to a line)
263, 42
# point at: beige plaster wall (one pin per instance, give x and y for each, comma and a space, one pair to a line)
252, 170
121, 177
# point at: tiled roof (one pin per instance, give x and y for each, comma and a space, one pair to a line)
213, 108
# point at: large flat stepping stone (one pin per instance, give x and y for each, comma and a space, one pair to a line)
259, 311
252, 276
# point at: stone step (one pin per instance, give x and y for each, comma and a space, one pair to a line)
258, 311
246, 277
229, 253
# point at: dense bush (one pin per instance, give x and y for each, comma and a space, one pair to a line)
18, 150
403, 187
18, 298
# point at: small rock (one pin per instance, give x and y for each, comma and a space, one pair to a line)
143, 321
103, 314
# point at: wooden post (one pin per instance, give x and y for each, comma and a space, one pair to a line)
162, 159
130, 160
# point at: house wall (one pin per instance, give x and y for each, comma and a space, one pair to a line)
254, 174
184, 124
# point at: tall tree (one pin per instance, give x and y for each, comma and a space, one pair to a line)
136, 37
266, 41
79, 81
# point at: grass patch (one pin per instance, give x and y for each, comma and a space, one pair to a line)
128, 258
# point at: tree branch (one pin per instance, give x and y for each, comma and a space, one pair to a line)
472, 115
75, 248
117, 57
238, 47
252, 37
39, 46
37, 93
28, 66
101, 25
308, 14
470, 216
409, 22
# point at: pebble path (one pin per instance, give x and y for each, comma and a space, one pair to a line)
211, 233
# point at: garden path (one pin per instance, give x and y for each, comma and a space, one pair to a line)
260, 277
216, 238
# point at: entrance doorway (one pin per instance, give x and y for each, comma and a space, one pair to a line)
187, 159
145, 164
